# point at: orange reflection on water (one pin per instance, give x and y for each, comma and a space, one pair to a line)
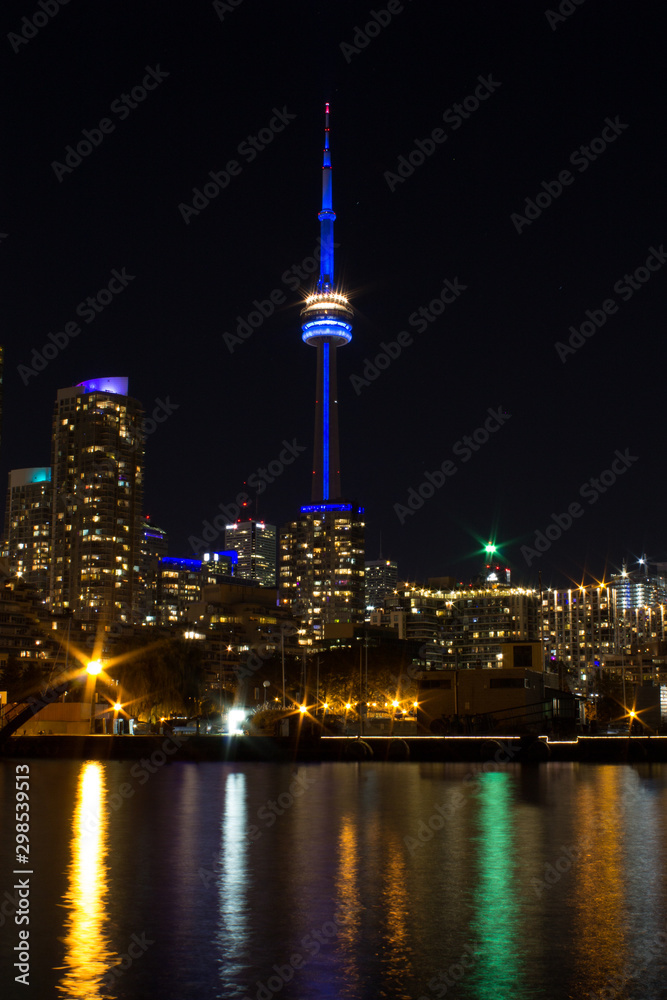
395, 904
599, 941
88, 958
348, 911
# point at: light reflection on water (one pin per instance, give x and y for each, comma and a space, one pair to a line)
233, 880
495, 927
88, 957
349, 901
340, 864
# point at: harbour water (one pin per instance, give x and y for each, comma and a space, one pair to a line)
337, 880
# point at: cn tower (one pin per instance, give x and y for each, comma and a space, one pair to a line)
326, 324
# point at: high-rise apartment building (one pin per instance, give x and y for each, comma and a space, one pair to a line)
462, 628
639, 588
255, 543
322, 565
380, 579
154, 548
580, 625
28, 527
97, 524
478, 622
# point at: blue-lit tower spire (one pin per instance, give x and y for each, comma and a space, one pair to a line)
326, 324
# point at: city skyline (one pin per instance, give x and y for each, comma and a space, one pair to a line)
463, 252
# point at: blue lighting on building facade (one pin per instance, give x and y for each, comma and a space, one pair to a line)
323, 507
40, 475
325, 424
185, 563
118, 385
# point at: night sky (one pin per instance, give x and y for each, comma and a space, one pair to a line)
220, 73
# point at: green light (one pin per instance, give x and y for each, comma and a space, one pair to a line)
499, 970
489, 547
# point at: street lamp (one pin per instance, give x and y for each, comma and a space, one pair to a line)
93, 669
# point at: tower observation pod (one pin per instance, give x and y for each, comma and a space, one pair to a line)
326, 323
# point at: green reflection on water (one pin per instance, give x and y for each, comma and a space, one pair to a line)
495, 925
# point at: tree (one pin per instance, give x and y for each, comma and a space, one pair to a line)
610, 706
159, 677
21, 678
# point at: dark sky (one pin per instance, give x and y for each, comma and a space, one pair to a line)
550, 90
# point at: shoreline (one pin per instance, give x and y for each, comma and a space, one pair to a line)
446, 749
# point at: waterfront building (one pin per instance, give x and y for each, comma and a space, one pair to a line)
465, 628
640, 599
579, 626
97, 524
27, 544
478, 622
322, 566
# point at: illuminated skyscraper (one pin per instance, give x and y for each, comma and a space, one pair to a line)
97, 524
381, 577
28, 526
154, 547
322, 553
322, 565
255, 543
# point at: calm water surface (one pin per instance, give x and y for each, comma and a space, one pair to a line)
351, 881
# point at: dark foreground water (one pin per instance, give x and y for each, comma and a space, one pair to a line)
350, 880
